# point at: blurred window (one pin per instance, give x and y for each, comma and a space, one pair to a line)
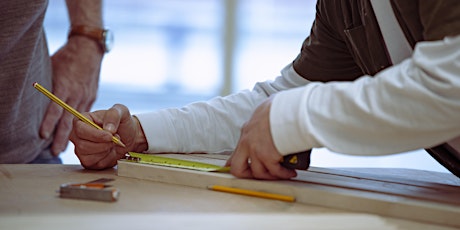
179, 45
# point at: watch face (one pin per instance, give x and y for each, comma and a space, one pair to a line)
108, 40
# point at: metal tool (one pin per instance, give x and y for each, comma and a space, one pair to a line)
93, 190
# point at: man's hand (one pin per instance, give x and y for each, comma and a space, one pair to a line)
255, 155
95, 148
76, 68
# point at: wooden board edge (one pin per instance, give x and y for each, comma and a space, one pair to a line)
351, 200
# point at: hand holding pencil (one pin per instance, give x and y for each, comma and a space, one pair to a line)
93, 145
72, 111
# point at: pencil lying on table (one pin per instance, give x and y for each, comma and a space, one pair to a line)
73, 111
247, 192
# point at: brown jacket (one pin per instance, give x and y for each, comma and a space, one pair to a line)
345, 43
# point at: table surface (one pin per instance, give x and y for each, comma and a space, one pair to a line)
29, 198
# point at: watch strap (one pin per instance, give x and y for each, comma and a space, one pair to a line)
94, 33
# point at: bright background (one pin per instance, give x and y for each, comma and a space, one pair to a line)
170, 53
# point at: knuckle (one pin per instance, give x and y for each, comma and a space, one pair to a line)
237, 173
66, 124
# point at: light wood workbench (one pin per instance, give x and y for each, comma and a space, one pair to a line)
29, 200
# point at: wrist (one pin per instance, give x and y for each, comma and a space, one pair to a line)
140, 141
84, 44
101, 37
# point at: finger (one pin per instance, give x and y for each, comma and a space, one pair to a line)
61, 137
276, 170
54, 113
240, 165
83, 106
91, 161
62, 130
107, 161
228, 163
269, 167
50, 120
87, 132
114, 116
259, 171
90, 153
102, 155
87, 148
87, 102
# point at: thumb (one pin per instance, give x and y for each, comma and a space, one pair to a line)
115, 117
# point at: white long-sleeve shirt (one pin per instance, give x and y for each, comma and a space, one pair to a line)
412, 105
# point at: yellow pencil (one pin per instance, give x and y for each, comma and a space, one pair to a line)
247, 192
73, 111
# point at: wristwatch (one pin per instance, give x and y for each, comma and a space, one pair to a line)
103, 37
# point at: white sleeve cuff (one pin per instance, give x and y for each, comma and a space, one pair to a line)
288, 121
154, 125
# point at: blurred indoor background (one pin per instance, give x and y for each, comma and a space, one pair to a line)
170, 53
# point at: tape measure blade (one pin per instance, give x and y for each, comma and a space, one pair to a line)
177, 163
224, 169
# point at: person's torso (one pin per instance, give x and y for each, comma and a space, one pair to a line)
346, 43
24, 59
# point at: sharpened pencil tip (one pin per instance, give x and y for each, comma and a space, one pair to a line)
118, 142
121, 144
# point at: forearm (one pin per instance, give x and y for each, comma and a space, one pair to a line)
85, 12
212, 126
140, 141
408, 106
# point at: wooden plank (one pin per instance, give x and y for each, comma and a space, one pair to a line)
398, 175
447, 194
398, 199
438, 192
197, 221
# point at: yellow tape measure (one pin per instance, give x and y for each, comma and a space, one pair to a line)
172, 162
